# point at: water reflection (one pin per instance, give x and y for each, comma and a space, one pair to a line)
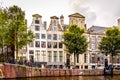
73, 78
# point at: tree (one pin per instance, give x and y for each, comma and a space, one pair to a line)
110, 44
75, 41
17, 35
3, 27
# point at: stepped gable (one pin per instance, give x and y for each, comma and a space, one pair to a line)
76, 15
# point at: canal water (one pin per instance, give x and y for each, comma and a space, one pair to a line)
72, 78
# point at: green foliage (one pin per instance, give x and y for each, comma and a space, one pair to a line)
13, 28
74, 40
110, 44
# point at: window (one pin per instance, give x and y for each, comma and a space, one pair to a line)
60, 37
37, 35
55, 45
99, 38
118, 60
93, 38
61, 56
37, 54
49, 36
31, 58
36, 21
54, 36
92, 46
60, 45
49, 56
37, 28
85, 58
43, 36
55, 28
43, 44
31, 44
76, 21
37, 43
31, 51
49, 45
93, 58
55, 56
54, 23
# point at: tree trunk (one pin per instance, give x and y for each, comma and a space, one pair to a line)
74, 60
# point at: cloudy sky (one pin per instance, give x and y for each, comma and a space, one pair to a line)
97, 12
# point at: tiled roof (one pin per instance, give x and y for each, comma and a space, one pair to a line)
96, 29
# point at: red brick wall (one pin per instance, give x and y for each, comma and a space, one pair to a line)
14, 71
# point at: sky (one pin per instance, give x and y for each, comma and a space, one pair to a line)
97, 12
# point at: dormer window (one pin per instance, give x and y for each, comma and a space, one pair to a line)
36, 21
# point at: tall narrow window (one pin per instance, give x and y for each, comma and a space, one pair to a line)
92, 46
60, 45
85, 58
49, 56
31, 44
43, 36
55, 26
61, 56
37, 43
54, 36
37, 28
55, 56
37, 54
37, 35
54, 23
36, 21
31, 51
93, 58
49, 36
55, 45
60, 37
43, 44
49, 45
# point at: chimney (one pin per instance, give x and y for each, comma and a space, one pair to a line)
61, 19
45, 25
119, 23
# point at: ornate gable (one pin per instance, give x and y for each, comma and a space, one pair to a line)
36, 15
77, 15
54, 24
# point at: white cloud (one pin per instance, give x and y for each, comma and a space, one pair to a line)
97, 12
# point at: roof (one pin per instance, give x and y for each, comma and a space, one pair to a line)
95, 29
36, 15
54, 17
76, 15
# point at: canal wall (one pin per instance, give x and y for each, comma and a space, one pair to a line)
17, 71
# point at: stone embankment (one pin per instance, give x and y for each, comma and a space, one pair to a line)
17, 71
